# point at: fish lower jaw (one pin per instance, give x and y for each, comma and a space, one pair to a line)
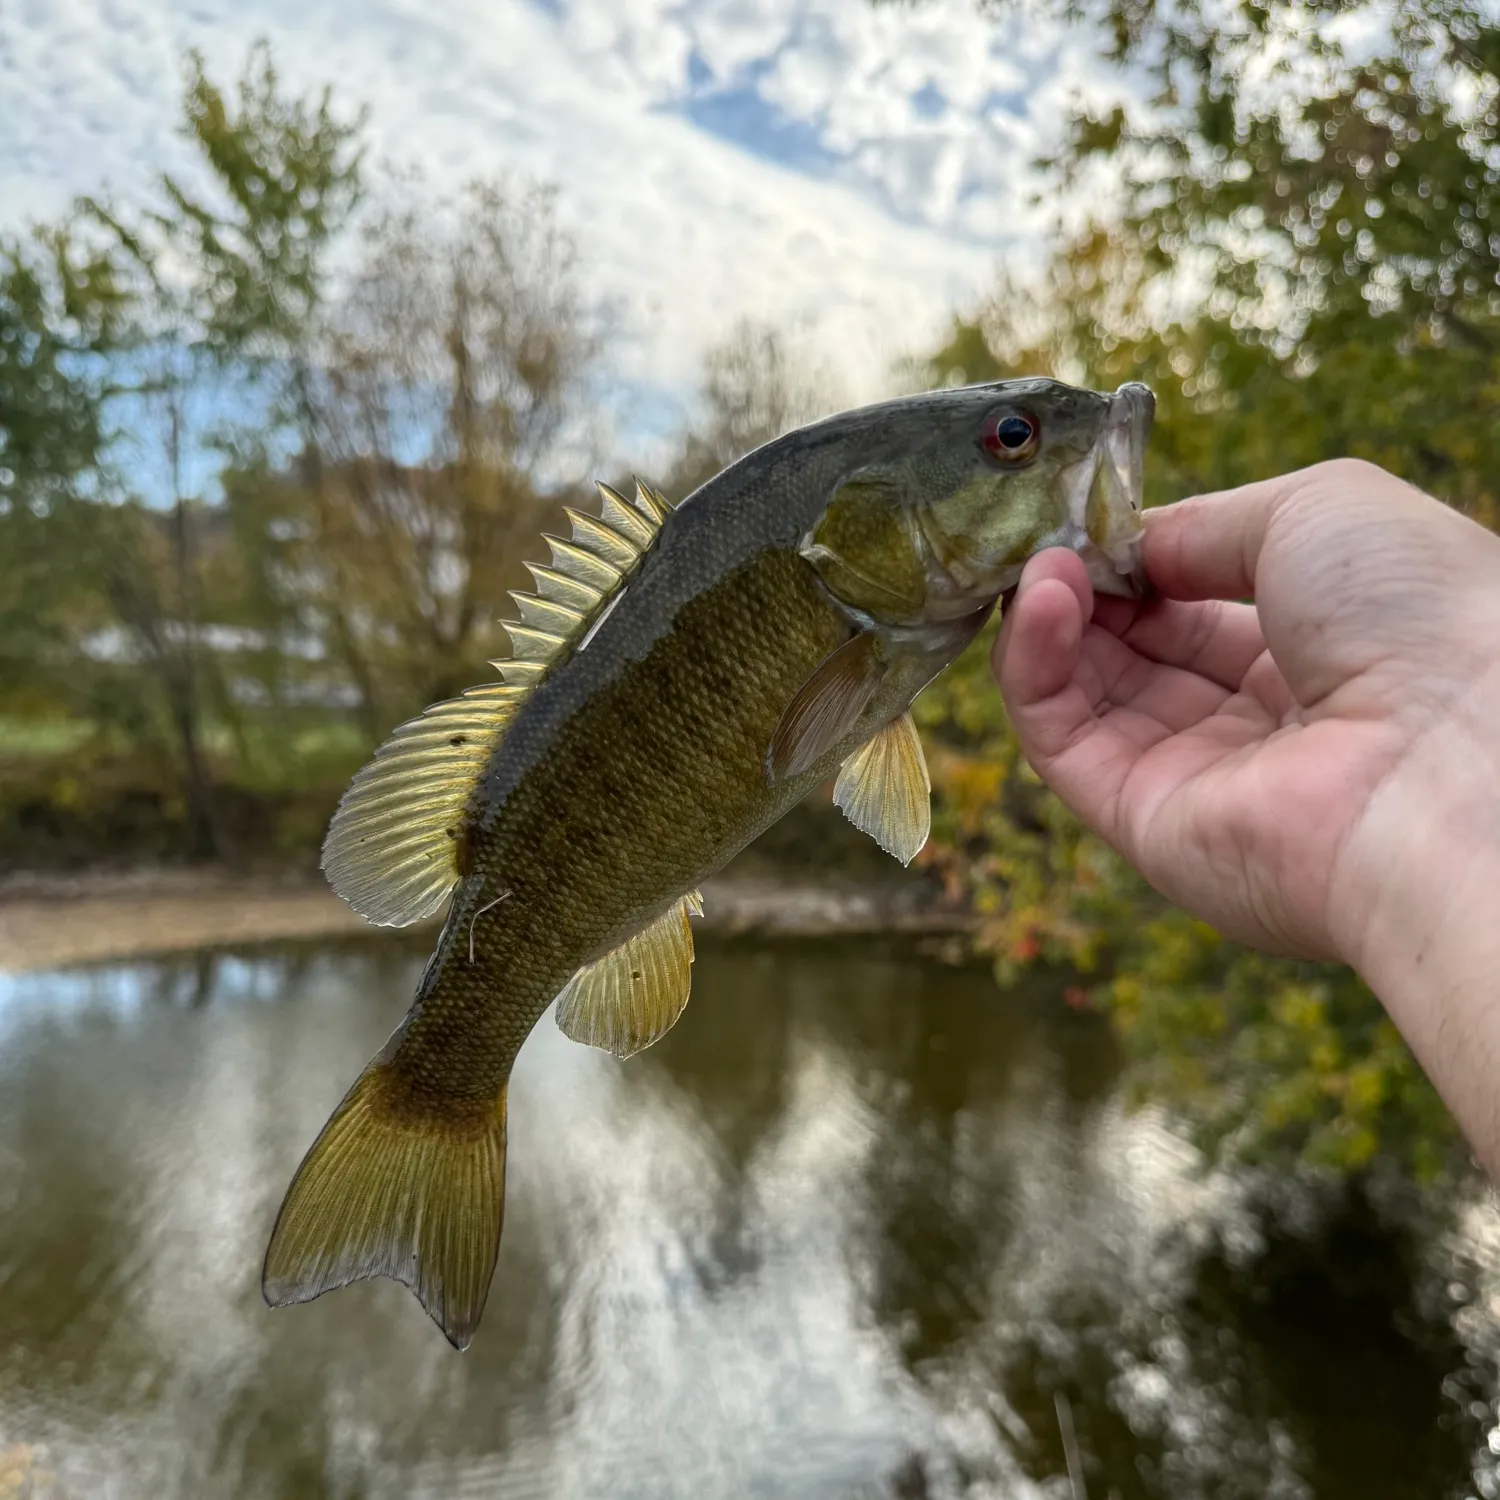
1102, 495
1123, 577
1113, 569
1116, 569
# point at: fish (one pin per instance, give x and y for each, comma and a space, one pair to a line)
679, 679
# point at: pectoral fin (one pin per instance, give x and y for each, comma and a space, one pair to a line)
884, 790
633, 995
826, 707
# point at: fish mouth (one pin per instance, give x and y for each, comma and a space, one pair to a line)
1105, 493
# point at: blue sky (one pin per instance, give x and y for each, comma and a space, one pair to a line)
849, 172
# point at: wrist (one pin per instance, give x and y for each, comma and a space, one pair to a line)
1417, 912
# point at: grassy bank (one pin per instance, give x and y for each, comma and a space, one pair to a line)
70, 801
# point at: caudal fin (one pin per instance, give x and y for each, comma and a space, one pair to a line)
395, 1188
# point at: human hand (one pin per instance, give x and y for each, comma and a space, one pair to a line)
1298, 771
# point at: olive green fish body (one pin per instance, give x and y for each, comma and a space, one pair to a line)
681, 679
652, 782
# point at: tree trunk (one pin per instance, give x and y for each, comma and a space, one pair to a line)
207, 831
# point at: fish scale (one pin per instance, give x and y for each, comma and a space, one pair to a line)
603, 789
679, 681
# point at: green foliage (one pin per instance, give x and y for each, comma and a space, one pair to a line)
1272, 1058
283, 176
58, 305
71, 796
232, 492
1300, 272
1328, 218
59, 310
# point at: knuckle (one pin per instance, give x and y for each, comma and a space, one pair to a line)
1357, 471
1346, 477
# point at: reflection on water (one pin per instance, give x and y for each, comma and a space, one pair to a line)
848, 1231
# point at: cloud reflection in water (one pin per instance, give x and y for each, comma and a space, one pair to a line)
845, 1232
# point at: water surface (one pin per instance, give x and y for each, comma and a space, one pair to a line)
855, 1228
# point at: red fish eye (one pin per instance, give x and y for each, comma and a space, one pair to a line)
1010, 437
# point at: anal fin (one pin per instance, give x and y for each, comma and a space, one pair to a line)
397, 1187
634, 994
885, 791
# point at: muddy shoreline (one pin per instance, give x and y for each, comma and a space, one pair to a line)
52, 921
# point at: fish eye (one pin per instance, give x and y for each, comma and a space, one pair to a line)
1010, 437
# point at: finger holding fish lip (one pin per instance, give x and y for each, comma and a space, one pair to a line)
1147, 669
1212, 638
1035, 657
1215, 639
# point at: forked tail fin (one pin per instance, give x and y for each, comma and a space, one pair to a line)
396, 1186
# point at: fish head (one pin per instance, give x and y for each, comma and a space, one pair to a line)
963, 486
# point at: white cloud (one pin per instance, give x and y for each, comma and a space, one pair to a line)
853, 210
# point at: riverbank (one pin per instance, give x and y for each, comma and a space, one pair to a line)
49, 921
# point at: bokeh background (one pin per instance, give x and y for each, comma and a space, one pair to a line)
312, 319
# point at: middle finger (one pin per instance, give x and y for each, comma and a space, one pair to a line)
1213, 638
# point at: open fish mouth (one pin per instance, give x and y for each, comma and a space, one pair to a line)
1105, 496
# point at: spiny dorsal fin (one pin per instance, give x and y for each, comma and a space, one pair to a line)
619, 514
395, 848
884, 790
652, 503
634, 994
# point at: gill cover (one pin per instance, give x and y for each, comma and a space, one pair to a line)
917, 546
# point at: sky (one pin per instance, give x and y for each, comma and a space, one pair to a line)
850, 172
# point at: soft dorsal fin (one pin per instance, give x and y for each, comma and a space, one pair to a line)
395, 848
826, 707
634, 994
884, 790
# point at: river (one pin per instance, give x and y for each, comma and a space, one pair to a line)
860, 1226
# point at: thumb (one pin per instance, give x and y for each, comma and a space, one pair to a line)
1208, 547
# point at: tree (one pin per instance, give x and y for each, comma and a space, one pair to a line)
218, 296
445, 389
1334, 207
1300, 270
59, 311
755, 387
240, 268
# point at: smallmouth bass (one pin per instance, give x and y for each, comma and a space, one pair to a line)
681, 678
